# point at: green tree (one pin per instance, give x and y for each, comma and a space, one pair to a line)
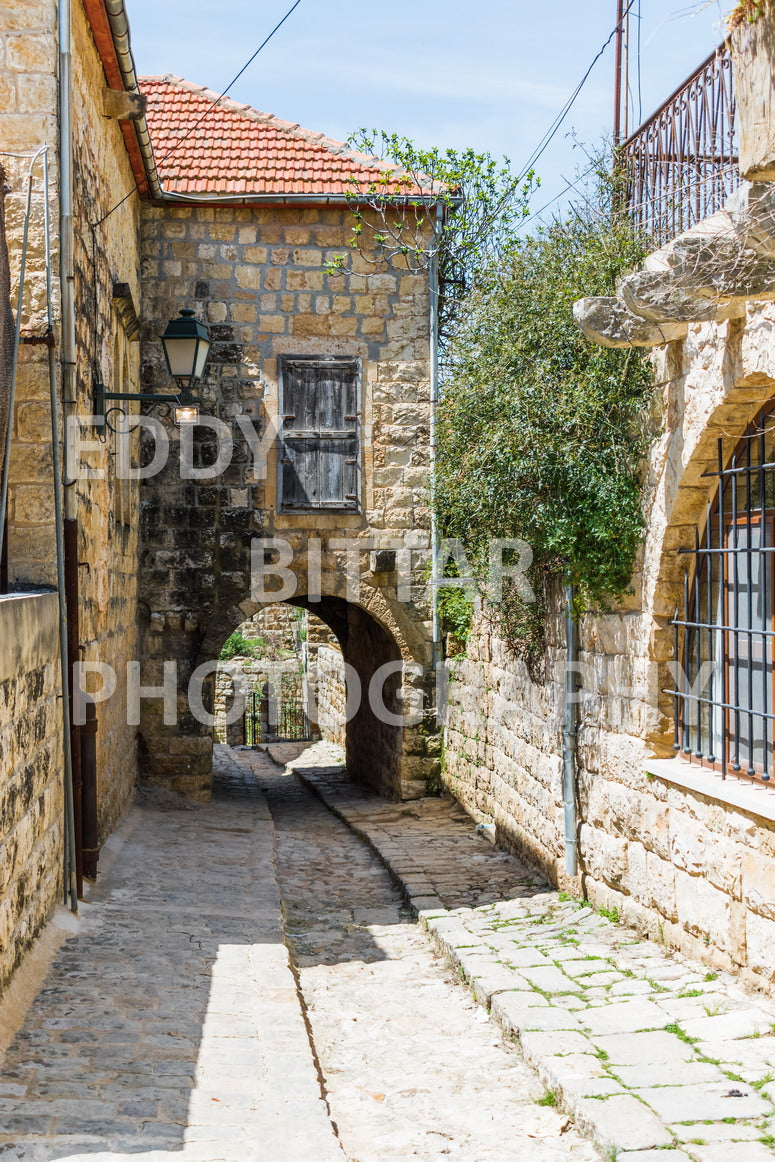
541, 433
480, 200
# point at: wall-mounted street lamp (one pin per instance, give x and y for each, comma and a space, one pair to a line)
186, 343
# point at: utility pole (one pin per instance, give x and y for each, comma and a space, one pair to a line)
622, 67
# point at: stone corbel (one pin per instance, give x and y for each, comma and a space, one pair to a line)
124, 306
707, 274
607, 321
123, 106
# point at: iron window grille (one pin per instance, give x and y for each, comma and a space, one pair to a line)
723, 691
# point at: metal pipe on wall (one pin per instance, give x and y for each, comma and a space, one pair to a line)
569, 733
91, 849
67, 264
64, 498
433, 278
73, 657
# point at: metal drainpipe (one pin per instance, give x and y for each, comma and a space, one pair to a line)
73, 656
569, 734
67, 271
433, 277
64, 498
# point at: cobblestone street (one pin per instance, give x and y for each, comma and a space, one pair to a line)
412, 1067
250, 982
171, 1025
648, 1051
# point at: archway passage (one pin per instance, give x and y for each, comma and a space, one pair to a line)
280, 678
374, 742
388, 745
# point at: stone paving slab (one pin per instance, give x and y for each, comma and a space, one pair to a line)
412, 1067
170, 1026
655, 1057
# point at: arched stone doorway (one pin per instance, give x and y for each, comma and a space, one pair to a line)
280, 678
391, 737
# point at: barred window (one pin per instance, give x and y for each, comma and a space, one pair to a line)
724, 715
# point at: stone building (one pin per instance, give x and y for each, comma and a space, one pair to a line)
337, 365
96, 338
675, 812
247, 222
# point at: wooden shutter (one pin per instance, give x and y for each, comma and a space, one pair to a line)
319, 445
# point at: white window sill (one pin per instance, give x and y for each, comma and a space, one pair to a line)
755, 798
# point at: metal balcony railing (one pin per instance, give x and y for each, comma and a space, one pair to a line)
681, 164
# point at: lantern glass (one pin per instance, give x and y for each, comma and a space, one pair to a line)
200, 359
186, 344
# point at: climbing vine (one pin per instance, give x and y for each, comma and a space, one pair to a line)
746, 12
542, 433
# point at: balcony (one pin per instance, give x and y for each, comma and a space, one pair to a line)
682, 164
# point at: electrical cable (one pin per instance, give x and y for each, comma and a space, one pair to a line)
638, 47
554, 127
208, 110
570, 186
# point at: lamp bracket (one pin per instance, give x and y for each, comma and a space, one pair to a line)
101, 397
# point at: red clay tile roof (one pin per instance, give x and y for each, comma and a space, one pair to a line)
238, 150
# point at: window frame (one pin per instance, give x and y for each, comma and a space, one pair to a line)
714, 730
355, 499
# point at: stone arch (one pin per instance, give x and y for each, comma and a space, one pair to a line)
399, 761
684, 490
392, 759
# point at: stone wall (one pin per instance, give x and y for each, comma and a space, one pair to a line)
28, 66
280, 626
258, 276
106, 254
684, 857
238, 675
31, 800
330, 694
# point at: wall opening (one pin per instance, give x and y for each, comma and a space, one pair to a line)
349, 668
280, 678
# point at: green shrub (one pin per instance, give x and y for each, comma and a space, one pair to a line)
237, 646
542, 433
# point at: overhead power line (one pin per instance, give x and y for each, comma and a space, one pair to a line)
566, 189
551, 132
210, 107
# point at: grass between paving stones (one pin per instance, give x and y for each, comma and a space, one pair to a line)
525, 928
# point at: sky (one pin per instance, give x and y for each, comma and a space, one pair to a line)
492, 75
